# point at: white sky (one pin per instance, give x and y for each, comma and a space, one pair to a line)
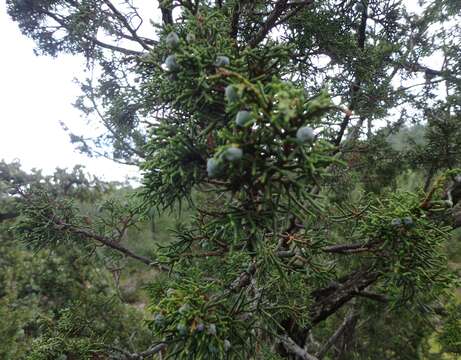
35, 94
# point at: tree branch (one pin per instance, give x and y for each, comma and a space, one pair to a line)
235, 19
279, 8
96, 41
372, 296
351, 317
154, 349
61, 225
357, 81
346, 248
167, 14
331, 298
296, 8
126, 24
108, 126
290, 345
112, 47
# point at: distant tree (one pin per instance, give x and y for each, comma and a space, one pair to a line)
301, 236
56, 302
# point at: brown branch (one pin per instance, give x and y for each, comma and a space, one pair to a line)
429, 72
373, 296
290, 345
271, 21
112, 47
154, 349
61, 225
330, 299
96, 41
297, 7
351, 317
127, 25
357, 81
235, 19
346, 248
244, 279
167, 14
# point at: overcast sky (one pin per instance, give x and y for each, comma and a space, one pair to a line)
35, 94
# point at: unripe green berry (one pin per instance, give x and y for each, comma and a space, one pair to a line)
233, 154
172, 40
305, 134
190, 37
242, 118
171, 63
182, 329
170, 291
212, 349
408, 221
159, 319
231, 93
221, 61
184, 309
21, 333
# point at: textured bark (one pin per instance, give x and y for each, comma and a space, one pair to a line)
330, 299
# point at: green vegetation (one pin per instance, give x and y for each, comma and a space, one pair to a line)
274, 221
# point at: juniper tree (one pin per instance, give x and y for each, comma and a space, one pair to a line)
300, 236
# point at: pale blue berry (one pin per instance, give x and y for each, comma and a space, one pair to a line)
221, 61
396, 222
159, 319
212, 329
182, 329
200, 327
212, 167
171, 63
305, 134
227, 345
231, 93
242, 118
408, 221
233, 154
172, 40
